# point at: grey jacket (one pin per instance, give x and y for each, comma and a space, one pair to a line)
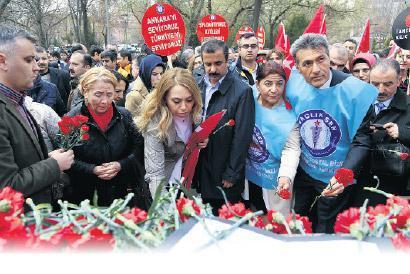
161, 156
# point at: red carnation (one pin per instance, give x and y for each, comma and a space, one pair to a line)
231, 122
404, 156
11, 201
284, 194
307, 225
81, 119
401, 242
187, 208
344, 176
136, 215
85, 128
276, 222
403, 217
97, 239
228, 211
85, 137
345, 219
64, 128
65, 235
395, 200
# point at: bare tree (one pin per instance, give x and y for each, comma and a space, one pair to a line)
3, 5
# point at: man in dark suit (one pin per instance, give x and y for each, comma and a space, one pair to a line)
391, 110
59, 77
323, 102
24, 164
222, 162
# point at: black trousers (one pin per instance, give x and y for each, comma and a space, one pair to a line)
323, 214
256, 198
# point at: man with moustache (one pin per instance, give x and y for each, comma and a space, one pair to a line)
24, 163
59, 77
80, 63
222, 162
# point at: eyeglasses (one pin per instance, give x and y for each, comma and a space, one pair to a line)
252, 46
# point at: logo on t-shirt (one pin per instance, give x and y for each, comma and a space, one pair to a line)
257, 151
319, 131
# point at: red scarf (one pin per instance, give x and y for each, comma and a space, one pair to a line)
103, 119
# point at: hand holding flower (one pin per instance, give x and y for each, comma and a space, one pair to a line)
203, 144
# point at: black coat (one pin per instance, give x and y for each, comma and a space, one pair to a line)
121, 142
225, 155
61, 79
398, 112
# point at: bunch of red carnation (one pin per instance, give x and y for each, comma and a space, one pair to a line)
74, 131
390, 219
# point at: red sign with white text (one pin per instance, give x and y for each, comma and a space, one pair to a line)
242, 30
260, 34
212, 26
163, 29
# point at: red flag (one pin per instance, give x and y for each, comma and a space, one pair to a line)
364, 45
282, 43
323, 28
280, 37
260, 35
393, 50
315, 24
191, 153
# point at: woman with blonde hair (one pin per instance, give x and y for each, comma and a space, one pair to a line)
110, 162
167, 119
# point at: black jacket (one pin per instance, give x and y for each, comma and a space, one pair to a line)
121, 142
358, 157
225, 155
46, 93
61, 79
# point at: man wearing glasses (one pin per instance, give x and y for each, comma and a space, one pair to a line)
248, 50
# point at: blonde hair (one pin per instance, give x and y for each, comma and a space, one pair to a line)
93, 75
154, 107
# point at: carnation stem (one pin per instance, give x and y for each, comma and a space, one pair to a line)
373, 189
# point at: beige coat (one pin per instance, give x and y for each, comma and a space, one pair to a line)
134, 99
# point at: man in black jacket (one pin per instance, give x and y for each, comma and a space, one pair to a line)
60, 78
222, 162
391, 111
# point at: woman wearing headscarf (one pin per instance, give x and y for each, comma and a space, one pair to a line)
150, 73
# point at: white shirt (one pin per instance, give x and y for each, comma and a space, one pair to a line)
209, 91
386, 103
327, 84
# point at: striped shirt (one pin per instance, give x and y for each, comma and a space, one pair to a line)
18, 100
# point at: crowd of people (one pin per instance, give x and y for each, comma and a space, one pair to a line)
338, 109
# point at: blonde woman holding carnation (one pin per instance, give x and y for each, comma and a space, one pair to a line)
168, 116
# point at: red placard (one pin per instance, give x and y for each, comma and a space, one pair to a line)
212, 26
163, 29
260, 34
242, 30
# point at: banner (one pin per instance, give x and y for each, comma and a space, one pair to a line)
212, 26
163, 29
401, 29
